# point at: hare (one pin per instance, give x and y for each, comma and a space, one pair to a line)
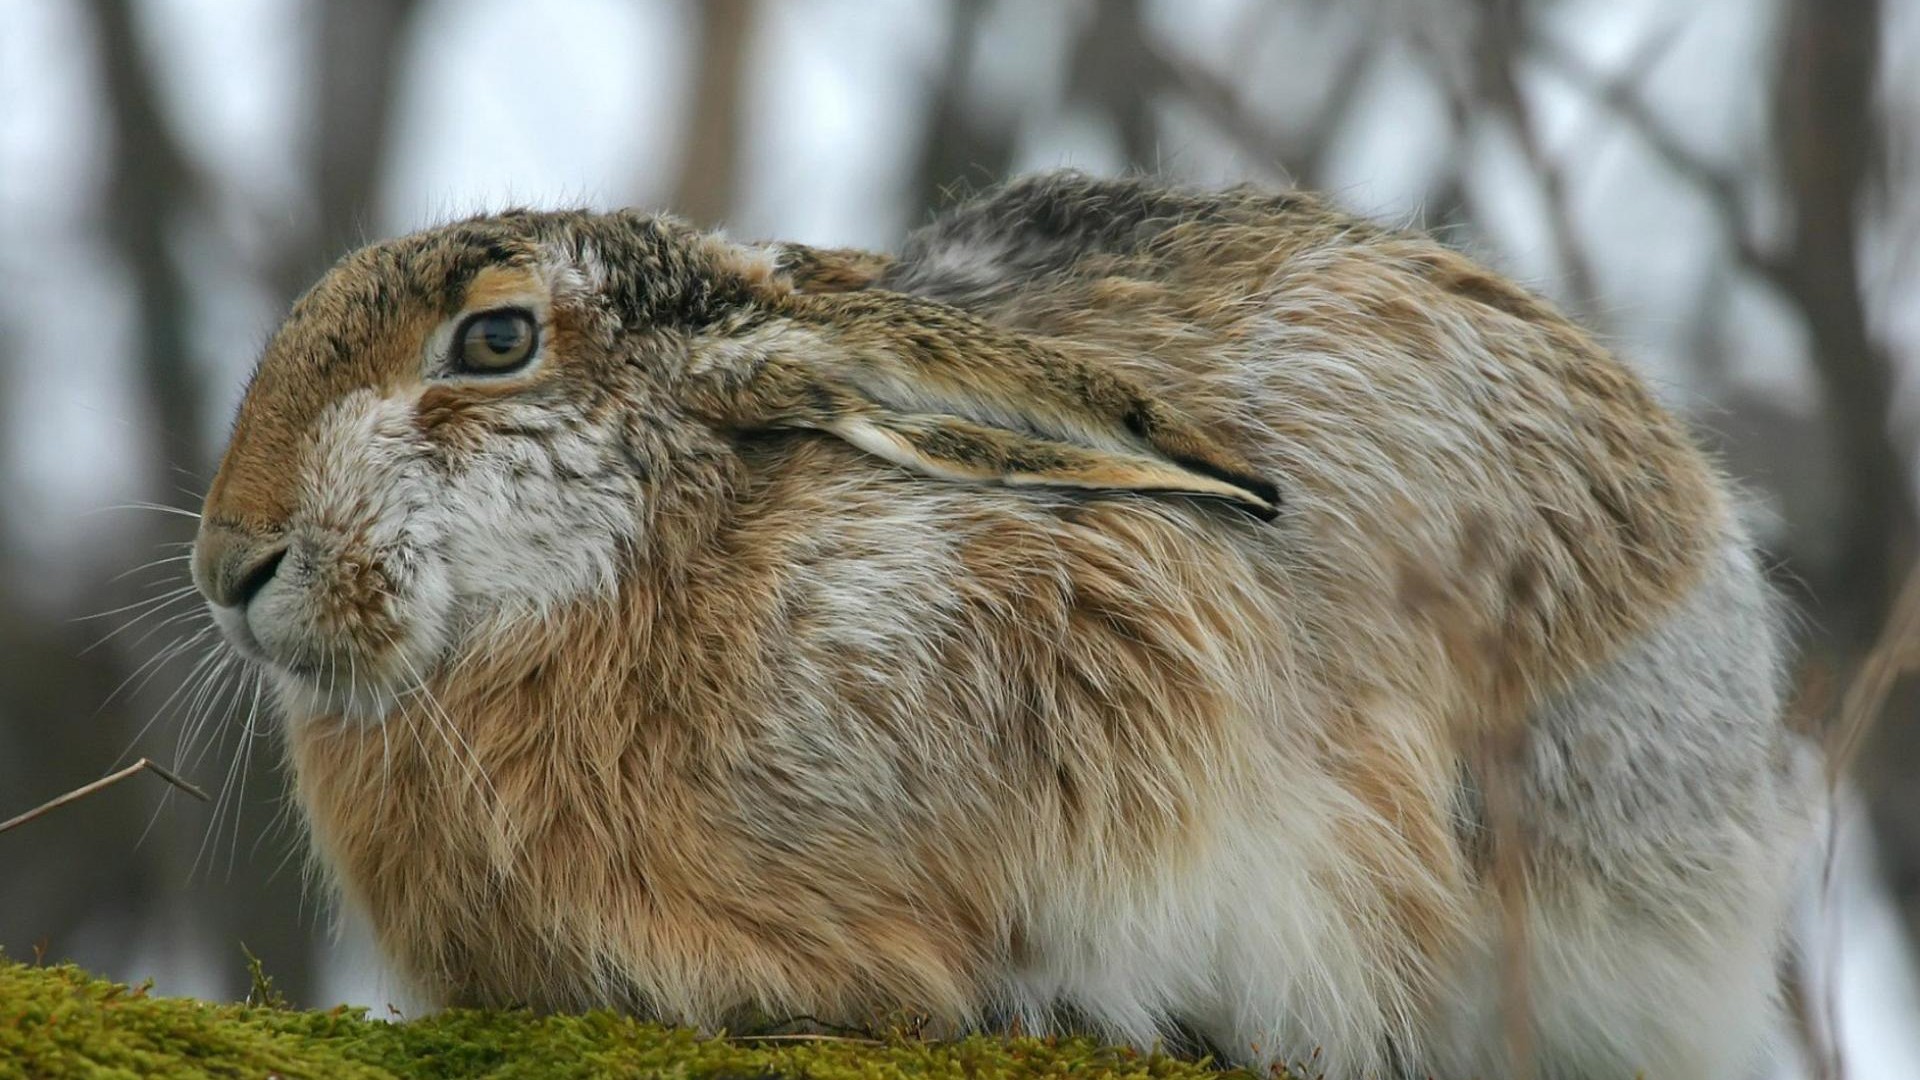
1086, 619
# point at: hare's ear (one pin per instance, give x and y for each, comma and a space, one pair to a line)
830, 270
945, 395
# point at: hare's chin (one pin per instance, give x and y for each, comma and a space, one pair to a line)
349, 680
363, 689
304, 699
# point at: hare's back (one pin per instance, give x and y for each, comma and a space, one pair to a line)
1424, 417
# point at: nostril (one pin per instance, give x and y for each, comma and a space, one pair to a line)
255, 577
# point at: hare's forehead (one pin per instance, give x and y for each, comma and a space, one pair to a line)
367, 326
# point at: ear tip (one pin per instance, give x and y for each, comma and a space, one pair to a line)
1260, 496
1267, 508
1267, 491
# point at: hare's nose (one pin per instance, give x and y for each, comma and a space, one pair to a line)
231, 567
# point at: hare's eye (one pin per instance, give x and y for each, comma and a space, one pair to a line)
493, 342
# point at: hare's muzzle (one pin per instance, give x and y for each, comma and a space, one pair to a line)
231, 568
321, 611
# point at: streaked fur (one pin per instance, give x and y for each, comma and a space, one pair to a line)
664, 697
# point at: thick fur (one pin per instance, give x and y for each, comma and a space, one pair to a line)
809, 632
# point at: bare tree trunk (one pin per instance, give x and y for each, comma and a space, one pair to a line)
1827, 132
1115, 68
708, 180
357, 53
150, 175
53, 683
1826, 119
357, 46
958, 147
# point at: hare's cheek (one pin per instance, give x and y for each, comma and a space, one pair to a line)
540, 517
360, 608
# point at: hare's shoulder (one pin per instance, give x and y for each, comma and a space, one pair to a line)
1056, 227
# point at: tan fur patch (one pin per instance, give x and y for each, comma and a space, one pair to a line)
498, 286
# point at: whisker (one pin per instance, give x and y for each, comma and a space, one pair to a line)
248, 737
163, 599
284, 807
159, 508
353, 681
210, 843
449, 733
163, 561
200, 722
177, 617
151, 667
215, 660
170, 620
180, 747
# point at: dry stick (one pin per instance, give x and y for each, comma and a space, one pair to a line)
1894, 653
1810, 1005
143, 765
1799, 992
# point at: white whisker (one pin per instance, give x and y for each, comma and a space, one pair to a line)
171, 620
163, 561
170, 596
150, 668
158, 508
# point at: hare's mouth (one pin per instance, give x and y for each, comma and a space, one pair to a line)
338, 634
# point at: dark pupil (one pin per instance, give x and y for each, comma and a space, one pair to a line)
502, 333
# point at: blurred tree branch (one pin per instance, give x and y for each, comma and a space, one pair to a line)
1503, 29
1300, 155
1720, 187
1824, 135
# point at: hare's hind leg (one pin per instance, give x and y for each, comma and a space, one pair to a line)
1666, 806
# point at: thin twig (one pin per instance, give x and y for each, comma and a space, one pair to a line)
143, 765
1804, 997
1895, 653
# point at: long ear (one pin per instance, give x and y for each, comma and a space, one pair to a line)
944, 394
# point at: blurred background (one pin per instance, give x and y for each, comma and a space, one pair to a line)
1727, 190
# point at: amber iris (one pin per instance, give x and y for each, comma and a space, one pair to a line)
493, 342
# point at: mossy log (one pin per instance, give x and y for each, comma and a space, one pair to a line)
60, 1021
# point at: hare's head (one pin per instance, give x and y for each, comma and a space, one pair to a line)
460, 430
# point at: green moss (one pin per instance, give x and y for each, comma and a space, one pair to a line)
58, 1022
